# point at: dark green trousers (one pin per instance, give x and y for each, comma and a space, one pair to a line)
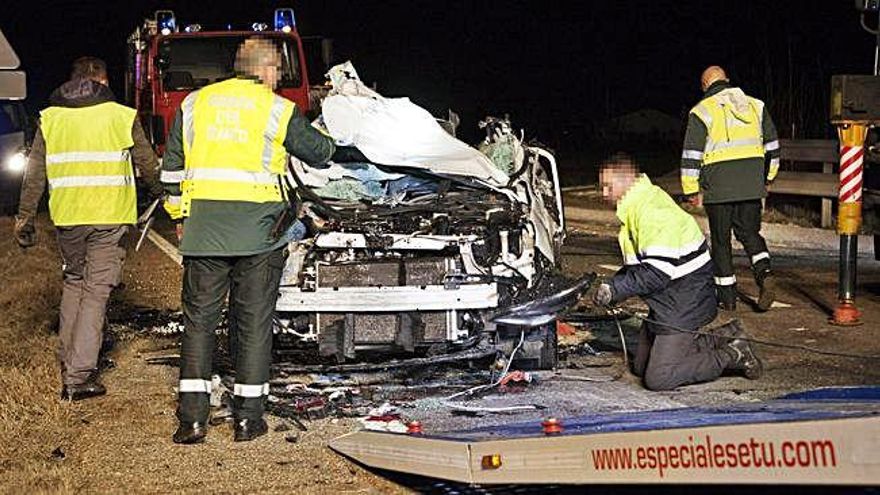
744, 218
251, 283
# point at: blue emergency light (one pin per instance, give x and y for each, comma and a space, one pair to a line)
284, 20
165, 22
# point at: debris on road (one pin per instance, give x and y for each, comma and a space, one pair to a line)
515, 381
58, 454
384, 418
386, 393
564, 329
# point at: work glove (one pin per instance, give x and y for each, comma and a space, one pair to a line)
603, 295
25, 233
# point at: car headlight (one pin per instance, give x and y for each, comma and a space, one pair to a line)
16, 162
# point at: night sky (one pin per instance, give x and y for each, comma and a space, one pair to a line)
557, 68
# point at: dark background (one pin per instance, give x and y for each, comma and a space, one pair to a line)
560, 69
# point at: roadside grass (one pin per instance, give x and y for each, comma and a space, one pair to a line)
33, 419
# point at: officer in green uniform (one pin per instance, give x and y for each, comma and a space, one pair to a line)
667, 264
227, 151
723, 167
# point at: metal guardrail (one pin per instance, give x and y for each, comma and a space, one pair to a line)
814, 184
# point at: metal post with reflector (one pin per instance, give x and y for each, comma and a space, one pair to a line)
849, 218
855, 105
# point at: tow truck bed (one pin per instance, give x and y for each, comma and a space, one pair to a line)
826, 436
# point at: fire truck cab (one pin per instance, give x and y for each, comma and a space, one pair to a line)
166, 63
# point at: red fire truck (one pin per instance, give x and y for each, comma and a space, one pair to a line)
166, 62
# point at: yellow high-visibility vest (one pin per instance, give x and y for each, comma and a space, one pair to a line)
233, 143
656, 231
88, 164
733, 122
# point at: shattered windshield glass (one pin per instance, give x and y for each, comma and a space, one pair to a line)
190, 63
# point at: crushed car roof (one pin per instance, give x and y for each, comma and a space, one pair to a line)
397, 132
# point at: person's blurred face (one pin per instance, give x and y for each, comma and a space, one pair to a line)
615, 181
269, 71
260, 58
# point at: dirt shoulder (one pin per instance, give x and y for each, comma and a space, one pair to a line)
121, 442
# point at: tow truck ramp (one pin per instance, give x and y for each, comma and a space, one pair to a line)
821, 437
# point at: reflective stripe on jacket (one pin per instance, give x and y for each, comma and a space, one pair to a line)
233, 141
88, 165
666, 258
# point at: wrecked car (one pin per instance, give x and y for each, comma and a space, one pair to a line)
429, 246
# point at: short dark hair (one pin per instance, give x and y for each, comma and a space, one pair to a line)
255, 52
88, 68
620, 162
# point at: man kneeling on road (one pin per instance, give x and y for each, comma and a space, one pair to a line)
667, 263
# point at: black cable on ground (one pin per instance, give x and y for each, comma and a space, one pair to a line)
622, 340
765, 342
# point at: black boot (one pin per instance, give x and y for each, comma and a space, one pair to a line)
249, 429
767, 286
731, 330
726, 297
743, 359
189, 433
79, 391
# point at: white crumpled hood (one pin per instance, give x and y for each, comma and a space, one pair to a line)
397, 132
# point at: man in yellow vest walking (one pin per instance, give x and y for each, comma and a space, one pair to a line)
84, 149
723, 167
227, 152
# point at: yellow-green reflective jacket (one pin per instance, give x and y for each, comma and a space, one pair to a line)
728, 136
88, 165
233, 141
666, 258
733, 121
